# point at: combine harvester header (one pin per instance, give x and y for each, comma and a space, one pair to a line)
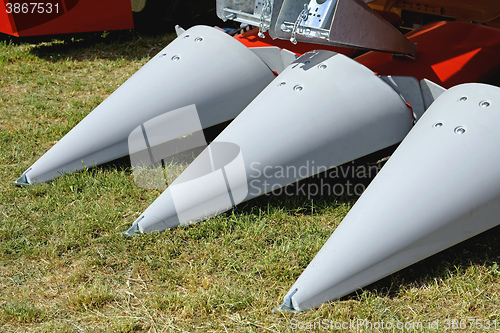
322, 103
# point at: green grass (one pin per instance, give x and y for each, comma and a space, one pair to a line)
65, 267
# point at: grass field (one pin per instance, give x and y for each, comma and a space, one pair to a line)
66, 267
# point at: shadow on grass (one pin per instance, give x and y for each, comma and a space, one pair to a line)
480, 250
340, 185
143, 42
113, 45
123, 163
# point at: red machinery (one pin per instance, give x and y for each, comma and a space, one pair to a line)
26, 18
23, 18
321, 110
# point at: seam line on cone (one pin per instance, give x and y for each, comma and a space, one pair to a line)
147, 143
228, 187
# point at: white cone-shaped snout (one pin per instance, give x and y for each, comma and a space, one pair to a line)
203, 67
440, 187
323, 110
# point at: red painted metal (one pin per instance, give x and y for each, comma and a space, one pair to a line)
29, 18
251, 39
448, 53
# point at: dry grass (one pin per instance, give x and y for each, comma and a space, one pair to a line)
65, 267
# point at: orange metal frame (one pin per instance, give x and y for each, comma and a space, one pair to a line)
448, 53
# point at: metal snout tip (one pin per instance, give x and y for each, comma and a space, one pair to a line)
23, 180
287, 305
134, 229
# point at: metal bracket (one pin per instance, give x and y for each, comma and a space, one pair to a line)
23, 180
316, 18
348, 23
134, 229
287, 305
265, 17
304, 14
241, 11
